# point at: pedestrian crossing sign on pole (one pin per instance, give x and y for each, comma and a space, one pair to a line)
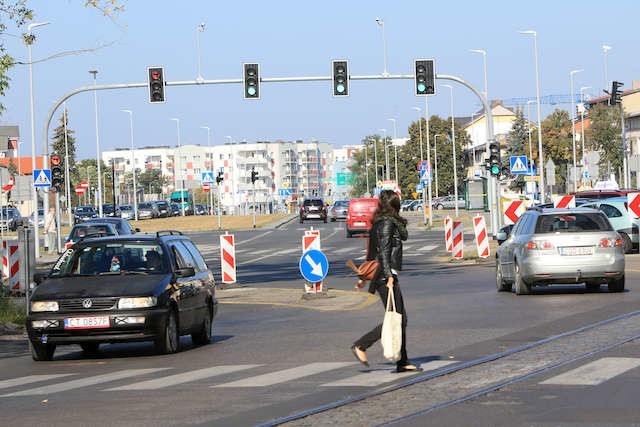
518, 165
207, 177
42, 177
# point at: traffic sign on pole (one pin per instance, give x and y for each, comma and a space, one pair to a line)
42, 177
314, 265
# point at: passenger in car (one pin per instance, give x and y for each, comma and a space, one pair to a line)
154, 262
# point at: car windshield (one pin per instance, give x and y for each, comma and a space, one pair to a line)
341, 204
572, 222
84, 209
103, 258
80, 232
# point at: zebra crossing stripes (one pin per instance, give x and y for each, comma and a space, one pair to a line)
596, 372
182, 378
14, 382
285, 375
83, 382
378, 377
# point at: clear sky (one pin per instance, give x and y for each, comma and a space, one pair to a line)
300, 38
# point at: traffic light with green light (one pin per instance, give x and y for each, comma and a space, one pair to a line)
424, 77
340, 80
494, 158
251, 81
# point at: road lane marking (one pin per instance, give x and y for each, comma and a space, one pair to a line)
272, 254
378, 377
242, 242
596, 372
83, 382
185, 377
29, 379
427, 248
285, 375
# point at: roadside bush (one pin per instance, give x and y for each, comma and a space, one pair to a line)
10, 310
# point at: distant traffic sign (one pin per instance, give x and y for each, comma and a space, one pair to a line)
314, 265
207, 177
285, 192
42, 177
518, 165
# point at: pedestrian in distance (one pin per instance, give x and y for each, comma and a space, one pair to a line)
387, 233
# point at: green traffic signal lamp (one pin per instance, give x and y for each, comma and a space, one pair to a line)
424, 77
495, 170
251, 81
340, 74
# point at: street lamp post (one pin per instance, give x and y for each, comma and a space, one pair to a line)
484, 61
133, 167
605, 49
67, 181
380, 22
386, 155
199, 29
210, 168
395, 148
29, 41
573, 131
98, 155
453, 140
180, 169
540, 153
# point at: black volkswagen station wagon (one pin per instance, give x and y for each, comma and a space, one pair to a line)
141, 287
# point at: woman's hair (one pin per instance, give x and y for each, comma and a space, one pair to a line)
389, 205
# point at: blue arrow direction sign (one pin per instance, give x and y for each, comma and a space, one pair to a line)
314, 265
207, 177
42, 177
518, 165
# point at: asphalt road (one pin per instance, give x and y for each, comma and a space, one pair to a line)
275, 353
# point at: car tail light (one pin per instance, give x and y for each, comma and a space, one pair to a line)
610, 243
539, 244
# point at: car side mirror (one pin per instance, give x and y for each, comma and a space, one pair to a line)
501, 236
185, 272
39, 277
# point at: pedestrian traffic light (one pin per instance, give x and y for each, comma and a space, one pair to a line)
494, 158
424, 77
219, 178
616, 93
251, 81
156, 84
254, 176
340, 77
57, 173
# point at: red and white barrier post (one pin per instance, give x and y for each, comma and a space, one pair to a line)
458, 239
311, 240
513, 210
564, 201
482, 241
448, 237
228, 258
11, 265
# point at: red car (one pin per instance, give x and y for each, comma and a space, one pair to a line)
359, 215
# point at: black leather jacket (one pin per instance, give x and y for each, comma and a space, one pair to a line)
385, 246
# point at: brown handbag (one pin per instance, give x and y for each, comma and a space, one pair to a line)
366, 270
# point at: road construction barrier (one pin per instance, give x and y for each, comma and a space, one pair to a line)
482, 240
11, 265
458, 239
564, 201
448, 239
228, 258
513, 210
311, 240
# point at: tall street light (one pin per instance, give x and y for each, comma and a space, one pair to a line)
210, 168
605, 49
29, 40
179, 169
133, 167
67, 181
540, 154
395, 148
453, 140
484, 61
199, 29
380, 22
582, 139
573, 130
386, 154
98, 154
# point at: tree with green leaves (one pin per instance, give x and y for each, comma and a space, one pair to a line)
604, 136
151, 181
517, 145
557, 143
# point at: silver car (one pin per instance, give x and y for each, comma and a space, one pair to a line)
548, 246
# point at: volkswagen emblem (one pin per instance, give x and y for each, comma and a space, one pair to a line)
87, 303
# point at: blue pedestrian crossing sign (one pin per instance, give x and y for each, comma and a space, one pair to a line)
425, 176
207, 177
518, 165
314, 265
42, 177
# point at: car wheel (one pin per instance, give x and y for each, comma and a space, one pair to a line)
439, 207
90, 347
169, 341
203, 336
521, 287
42, 352
617, 285
592, 285
627, 244
349, 234
500, 283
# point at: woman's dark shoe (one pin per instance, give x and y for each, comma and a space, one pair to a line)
355, 350
409, 368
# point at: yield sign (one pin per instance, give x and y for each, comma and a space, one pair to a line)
513, 210
564, 201
633, 203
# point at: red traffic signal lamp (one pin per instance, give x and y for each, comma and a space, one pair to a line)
156, 84
57, 172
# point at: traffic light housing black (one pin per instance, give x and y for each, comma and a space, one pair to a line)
340, 74
616, 93
424, 77
219, 178
251, 80
156, 84
254, 176
494, 158
57, 173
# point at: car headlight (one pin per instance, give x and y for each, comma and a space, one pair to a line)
138, 302
38, 306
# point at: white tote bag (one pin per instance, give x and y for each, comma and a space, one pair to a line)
391, 338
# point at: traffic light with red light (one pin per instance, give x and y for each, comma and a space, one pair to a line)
156, 84
251, 81
57, 173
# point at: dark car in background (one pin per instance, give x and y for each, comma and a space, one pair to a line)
164, 210
123, 226
83, 213
201, 209
150, 287
148, 210
10, 218
175, 209
109, 209
87, 229
313, 209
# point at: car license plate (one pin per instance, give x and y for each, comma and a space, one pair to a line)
86, 322
576, 250
360, 224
